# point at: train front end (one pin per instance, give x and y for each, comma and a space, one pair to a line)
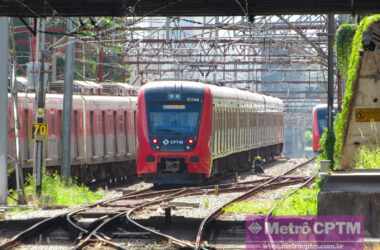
174, 130
319, 124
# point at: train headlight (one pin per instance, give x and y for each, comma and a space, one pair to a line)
190, 141
154, 141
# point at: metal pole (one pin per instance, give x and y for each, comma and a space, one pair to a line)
4, 55
54, 63
17, 163
330, 87
39, 158
330, 62
67, 103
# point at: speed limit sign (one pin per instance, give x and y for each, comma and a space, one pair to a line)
39, 131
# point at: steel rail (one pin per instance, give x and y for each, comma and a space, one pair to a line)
145, 193
234, 187
49, 222
107, 221
216, 213
306, 183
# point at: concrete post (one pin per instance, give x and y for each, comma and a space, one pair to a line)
67, 103
4, 55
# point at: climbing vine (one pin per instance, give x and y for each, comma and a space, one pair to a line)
353, 64
343, 44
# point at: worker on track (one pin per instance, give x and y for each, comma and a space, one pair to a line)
258, 165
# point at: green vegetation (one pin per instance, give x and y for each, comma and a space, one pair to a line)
343, 42
302, 202
55, 192
308, 137
351, 77
261, 207
327, 142
368, 158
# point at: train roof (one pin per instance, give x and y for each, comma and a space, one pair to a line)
101, 98
217, 91
323, 106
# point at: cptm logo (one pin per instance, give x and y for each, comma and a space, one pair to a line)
255, 228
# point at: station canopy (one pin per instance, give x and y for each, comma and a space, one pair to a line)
42, 8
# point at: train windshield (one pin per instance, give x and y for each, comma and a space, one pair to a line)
322, 119
174, 119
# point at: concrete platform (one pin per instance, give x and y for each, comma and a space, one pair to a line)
353, 193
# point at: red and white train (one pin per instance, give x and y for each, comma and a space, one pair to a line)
103, 134
186, 131
319, 124
189, 131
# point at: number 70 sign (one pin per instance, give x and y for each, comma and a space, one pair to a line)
39, 131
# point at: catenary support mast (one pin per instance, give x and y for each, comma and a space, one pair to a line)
67, 103
4, 55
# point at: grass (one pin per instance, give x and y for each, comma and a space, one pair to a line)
302, 202
354, 61
368, 158
55, 192
260, 207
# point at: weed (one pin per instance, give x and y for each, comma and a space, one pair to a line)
342, 118
368, 158
302, 202
57, 192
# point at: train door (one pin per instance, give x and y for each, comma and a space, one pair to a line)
134, 132
125, 129
92, 135
115, 133
103, 133
74, 137
52, 153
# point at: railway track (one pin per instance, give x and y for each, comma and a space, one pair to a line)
270, 183
128, 206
